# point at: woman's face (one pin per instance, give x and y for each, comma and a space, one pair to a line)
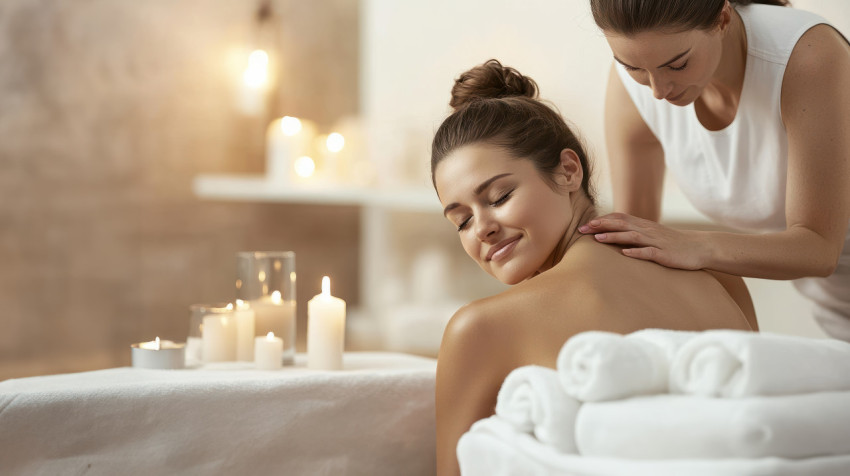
509, 219
676, 66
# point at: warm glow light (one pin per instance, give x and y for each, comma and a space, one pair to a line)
229, 306
262, 276
326, 286
240, 304
290, 125
270, 336
292, 276
152, 345
257, 72
304, 166
276, 297
335, 142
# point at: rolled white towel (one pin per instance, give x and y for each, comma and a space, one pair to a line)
687, 426
532, 400
727, 363
596, 366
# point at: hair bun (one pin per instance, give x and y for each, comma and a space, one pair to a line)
488, 81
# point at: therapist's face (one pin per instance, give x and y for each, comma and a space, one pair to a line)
676, 66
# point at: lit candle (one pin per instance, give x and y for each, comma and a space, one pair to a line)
275, 314
325, 330
158, 354
252, 89
245, 333
268, 352
218, 337
287, 140
330, 146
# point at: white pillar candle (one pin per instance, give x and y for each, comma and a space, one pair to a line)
274, 314
325, 330
158, 354
287, 139
268, 352
218, 338
245, 331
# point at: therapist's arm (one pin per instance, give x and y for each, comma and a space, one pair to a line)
816, 113
634, 154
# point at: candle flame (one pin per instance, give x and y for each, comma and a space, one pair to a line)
335, 142
270, 336
157, 343
257, 72
304, 166
326, 286
229, 306
276, 297
290, 125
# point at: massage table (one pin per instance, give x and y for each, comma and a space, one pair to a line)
375, 417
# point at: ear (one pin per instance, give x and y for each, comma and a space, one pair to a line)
725, 18
569, 173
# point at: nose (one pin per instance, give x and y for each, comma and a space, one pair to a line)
485, 227
661, 88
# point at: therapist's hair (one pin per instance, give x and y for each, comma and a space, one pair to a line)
629, 17
496, 105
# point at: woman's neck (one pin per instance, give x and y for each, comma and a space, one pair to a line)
582, 212
728, 80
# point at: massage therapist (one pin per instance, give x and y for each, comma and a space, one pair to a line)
748, 105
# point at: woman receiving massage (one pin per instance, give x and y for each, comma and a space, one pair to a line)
516, 183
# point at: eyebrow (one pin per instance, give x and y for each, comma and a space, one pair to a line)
672, 60
477, 191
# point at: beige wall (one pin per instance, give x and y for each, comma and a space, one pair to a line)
108, 109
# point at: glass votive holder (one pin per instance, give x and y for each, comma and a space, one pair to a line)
212, 333
266, 281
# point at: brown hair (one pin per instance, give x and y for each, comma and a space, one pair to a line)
497, 105
634, 16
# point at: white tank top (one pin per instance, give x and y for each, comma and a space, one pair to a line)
736, 176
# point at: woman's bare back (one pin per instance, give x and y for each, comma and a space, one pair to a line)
596, 287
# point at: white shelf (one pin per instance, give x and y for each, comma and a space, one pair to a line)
256, 188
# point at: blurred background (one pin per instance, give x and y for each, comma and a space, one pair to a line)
134, 161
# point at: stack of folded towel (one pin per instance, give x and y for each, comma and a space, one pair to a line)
670, 402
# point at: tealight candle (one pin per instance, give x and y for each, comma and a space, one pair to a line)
275, 314
268, 352
325, 330
158, 354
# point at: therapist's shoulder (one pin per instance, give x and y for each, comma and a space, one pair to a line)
819, 65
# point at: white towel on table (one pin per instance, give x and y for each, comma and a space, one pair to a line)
532, 400
685, 426
730, 363
494, 448
596, 366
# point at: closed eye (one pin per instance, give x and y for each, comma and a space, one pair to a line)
503, 199
463, 225
679, 68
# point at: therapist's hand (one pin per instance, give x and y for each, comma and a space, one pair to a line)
648, 240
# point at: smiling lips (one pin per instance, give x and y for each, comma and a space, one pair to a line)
502, 248
679, 96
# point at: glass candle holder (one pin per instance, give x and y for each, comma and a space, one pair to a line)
212, 333
266, 281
